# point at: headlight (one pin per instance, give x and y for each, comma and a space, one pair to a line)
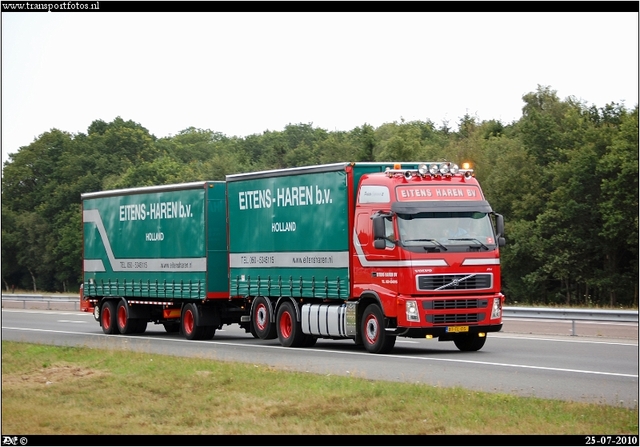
422, 169
454, 168
496, 312
434, 169
412, 310
444, 168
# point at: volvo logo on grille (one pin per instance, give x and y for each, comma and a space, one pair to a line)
473, 281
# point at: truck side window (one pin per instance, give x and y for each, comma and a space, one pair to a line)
389, 233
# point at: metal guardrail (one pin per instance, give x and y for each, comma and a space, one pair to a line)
572, 314
549, 313
25, 298
546, 313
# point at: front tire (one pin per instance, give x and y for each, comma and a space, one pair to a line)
469, 343
261, 325
374, 338
289, 330
108, 318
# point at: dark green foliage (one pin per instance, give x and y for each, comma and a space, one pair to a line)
565, 176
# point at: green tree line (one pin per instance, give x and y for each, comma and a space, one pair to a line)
565, 176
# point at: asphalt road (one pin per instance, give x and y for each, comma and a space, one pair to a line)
528, 358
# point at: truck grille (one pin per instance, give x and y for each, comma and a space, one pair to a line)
455, 304
454, 318
473, 281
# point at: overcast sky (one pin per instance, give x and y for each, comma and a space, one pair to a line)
245, 73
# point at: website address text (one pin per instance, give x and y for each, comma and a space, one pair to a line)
51, 6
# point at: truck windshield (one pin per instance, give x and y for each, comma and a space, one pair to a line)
453, 230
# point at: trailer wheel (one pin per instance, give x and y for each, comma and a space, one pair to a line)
289, 330
469, 342
108, 318
189, 322
261, 319
126, 325
374, 337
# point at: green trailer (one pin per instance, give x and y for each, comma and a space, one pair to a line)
151, 253
288, 233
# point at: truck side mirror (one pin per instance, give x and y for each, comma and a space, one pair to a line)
500, 230
499, 225
378, 232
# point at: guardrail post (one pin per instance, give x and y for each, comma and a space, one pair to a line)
573, 328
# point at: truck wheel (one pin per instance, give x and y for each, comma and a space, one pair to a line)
189, 322
289, 330
374, 337
261, 319
125, 324
108, 318
469, 342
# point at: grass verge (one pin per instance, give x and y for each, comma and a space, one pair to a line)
67, 390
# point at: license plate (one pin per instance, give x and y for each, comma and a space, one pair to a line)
457, 328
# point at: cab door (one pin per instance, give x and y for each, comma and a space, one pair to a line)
375, 269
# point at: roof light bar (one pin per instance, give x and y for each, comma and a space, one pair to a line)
432, 168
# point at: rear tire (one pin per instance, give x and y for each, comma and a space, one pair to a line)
108, 318
189, 320
469, 342
289, 330
261, 325
374, 338
125, 324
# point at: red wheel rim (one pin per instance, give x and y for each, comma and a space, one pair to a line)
106, 317
261, 317
372, 329
286, 324
122, 316
188, 321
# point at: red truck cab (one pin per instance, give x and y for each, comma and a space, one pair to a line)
426, 248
